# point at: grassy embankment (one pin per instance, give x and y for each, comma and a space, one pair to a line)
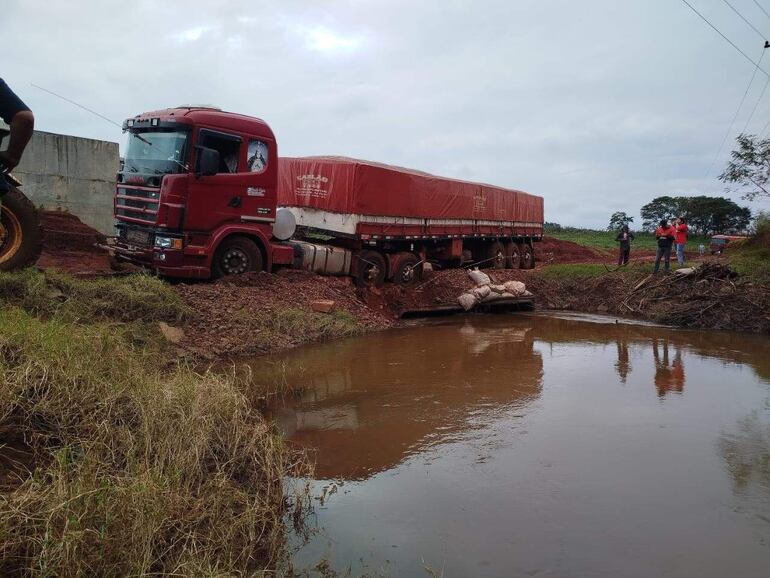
605, 240
750, 258
709, 299
115, 460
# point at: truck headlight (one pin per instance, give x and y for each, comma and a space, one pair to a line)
168, 242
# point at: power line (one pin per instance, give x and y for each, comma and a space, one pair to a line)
754, 28
737, 111
746, 56
78, 105
756, 104
761, 8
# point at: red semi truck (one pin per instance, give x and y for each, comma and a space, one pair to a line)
202, 193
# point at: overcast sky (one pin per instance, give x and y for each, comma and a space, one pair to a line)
598, 105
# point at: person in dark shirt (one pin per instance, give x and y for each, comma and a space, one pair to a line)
665, 235
18, 116
624, 237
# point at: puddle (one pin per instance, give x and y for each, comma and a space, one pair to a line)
536, 445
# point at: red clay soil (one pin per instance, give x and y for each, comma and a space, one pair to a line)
551, 250
69, 245
228, 315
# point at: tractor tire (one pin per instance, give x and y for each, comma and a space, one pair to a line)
406, 271
235, 256
496, 255
371, 269
21, 239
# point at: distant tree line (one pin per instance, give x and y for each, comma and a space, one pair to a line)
704, 215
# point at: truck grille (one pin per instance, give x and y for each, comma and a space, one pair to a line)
136, 236
140, 204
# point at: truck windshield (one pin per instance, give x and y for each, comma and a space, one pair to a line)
156, 152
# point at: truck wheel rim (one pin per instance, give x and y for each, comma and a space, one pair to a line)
235, 262
407, 274
500, 258
372, 272
10, 235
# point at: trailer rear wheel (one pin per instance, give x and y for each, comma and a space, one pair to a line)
527, 257
237, 255
496, 255
406, 270
371, 269
20, 237
513, 255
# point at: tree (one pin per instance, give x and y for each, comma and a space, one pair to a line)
658, 209
749, 169
618, 220
704, 215
714, 215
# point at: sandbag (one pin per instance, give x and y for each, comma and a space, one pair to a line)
515, 288
467, 301
497, 288
481, 292
479, 277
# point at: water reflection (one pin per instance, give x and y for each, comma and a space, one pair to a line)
375, 402
669, 376
535, 445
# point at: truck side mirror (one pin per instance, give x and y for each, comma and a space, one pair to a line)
206, 161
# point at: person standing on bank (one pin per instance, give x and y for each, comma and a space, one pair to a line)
665, 234
20, 119
624, 237
680, 239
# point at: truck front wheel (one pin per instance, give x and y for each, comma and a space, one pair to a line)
237, 255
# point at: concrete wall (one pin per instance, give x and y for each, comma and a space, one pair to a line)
73, 174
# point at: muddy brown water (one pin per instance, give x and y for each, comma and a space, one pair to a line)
535, 445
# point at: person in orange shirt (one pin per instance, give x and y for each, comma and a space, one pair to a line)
680, 239
665, 234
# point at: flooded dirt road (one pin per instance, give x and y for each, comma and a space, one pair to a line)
534, 445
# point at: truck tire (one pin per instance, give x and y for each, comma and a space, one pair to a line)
513, 255
406, 271
496, 255
21, 240
236, 255
527, 256
371, 269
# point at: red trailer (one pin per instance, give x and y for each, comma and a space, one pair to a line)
406, 217
202, 193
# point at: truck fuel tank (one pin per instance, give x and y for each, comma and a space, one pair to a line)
321, 259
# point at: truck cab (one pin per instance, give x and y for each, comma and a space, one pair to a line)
196, 194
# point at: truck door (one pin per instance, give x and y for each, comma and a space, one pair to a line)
235, 193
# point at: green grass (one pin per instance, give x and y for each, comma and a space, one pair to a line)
131, 298
751, 257
606, 239
137, 468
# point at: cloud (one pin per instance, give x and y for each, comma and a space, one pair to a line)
598, 106
192, 34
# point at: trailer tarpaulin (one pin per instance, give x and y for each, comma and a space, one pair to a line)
354, 187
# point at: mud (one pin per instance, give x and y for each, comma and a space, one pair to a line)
69, 246
713, 298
